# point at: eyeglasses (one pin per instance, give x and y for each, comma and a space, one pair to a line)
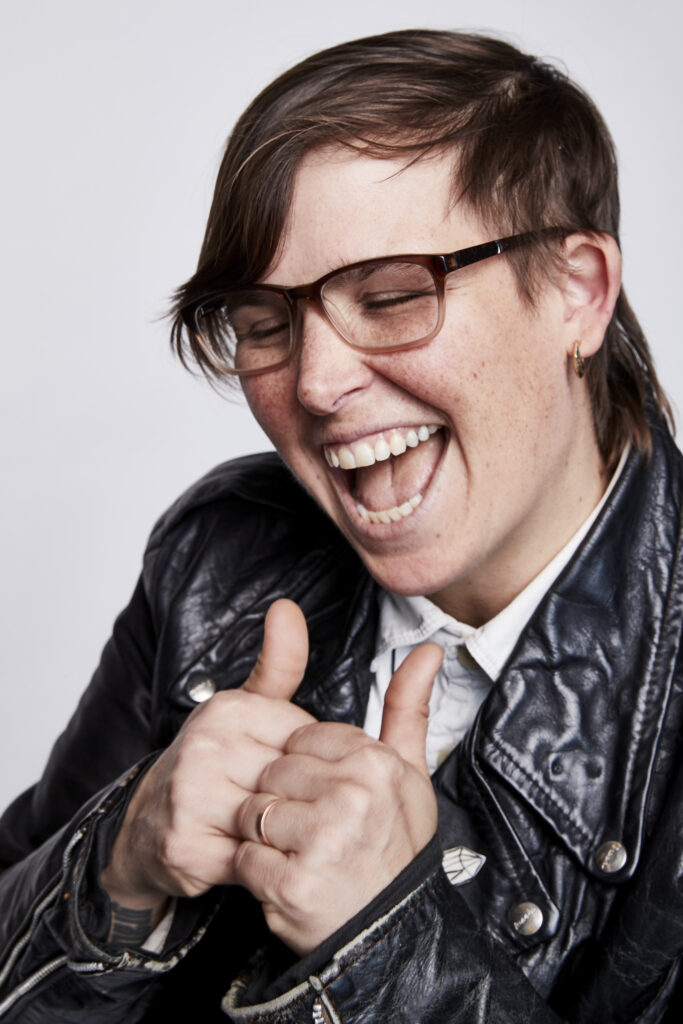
380, 305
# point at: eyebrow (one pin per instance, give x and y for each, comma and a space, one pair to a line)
368, 267
373, 264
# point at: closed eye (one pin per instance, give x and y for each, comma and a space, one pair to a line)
385, 301
260, 332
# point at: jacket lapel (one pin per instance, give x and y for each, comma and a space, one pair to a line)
576, 719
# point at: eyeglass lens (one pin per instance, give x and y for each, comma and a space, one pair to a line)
374, 306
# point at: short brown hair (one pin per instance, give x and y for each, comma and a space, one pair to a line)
531, 151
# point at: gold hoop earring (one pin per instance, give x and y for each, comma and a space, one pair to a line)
579, 365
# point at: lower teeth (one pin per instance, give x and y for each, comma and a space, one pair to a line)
389, 515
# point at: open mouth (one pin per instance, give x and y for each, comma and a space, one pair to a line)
387, 474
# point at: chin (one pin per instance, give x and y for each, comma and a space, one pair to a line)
410, 577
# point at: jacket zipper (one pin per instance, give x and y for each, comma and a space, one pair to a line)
323, 1012
320, 1015
52, 965
30, 983
14, 953
44, 972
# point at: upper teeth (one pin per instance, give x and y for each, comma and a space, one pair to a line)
361, 453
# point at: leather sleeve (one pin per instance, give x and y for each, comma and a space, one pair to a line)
424, 960
108, 733
56, 837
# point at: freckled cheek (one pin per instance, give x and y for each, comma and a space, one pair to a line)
270, 400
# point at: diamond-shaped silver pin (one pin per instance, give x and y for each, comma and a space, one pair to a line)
461, 864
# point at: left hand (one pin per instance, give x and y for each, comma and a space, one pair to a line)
352, 813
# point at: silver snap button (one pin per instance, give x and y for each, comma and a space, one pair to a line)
200, 687
610, 857
526, 918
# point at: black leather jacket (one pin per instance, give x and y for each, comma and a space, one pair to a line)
577, 745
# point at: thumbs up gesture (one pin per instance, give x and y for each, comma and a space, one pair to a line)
350, 812
180, 833
339, 815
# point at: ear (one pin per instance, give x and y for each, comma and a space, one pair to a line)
591, 287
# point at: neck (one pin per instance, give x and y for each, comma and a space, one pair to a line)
491, 586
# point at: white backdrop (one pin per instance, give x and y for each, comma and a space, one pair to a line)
113, 116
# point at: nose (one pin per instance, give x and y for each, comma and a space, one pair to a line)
328, 370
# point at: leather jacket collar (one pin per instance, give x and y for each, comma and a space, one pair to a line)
579, 714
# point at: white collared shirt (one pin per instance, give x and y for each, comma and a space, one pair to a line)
473, 657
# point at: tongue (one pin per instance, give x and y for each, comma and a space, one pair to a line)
390, 483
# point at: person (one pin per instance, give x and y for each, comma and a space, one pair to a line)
390, 729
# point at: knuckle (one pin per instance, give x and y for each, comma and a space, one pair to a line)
297, 893
244, 816
249, 871
195, 745
241, 858
303, 734
173, 852
355, 801
180, 792
216, 721
265, 781
379, 763
230, 698
268, 779
227, 705
198, 742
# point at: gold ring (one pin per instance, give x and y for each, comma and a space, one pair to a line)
261, 822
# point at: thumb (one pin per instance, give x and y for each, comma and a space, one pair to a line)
282, 662
406, 705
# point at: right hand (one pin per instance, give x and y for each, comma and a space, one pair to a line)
179, 834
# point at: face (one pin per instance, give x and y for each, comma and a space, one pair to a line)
474, 455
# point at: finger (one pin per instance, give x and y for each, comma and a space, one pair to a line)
237, 733
227, 813
213, 854
406, 705
297, 777
288, 894
245, 717
281, 664
249, 758
259, 868
213, 809
329, 741
276, 822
